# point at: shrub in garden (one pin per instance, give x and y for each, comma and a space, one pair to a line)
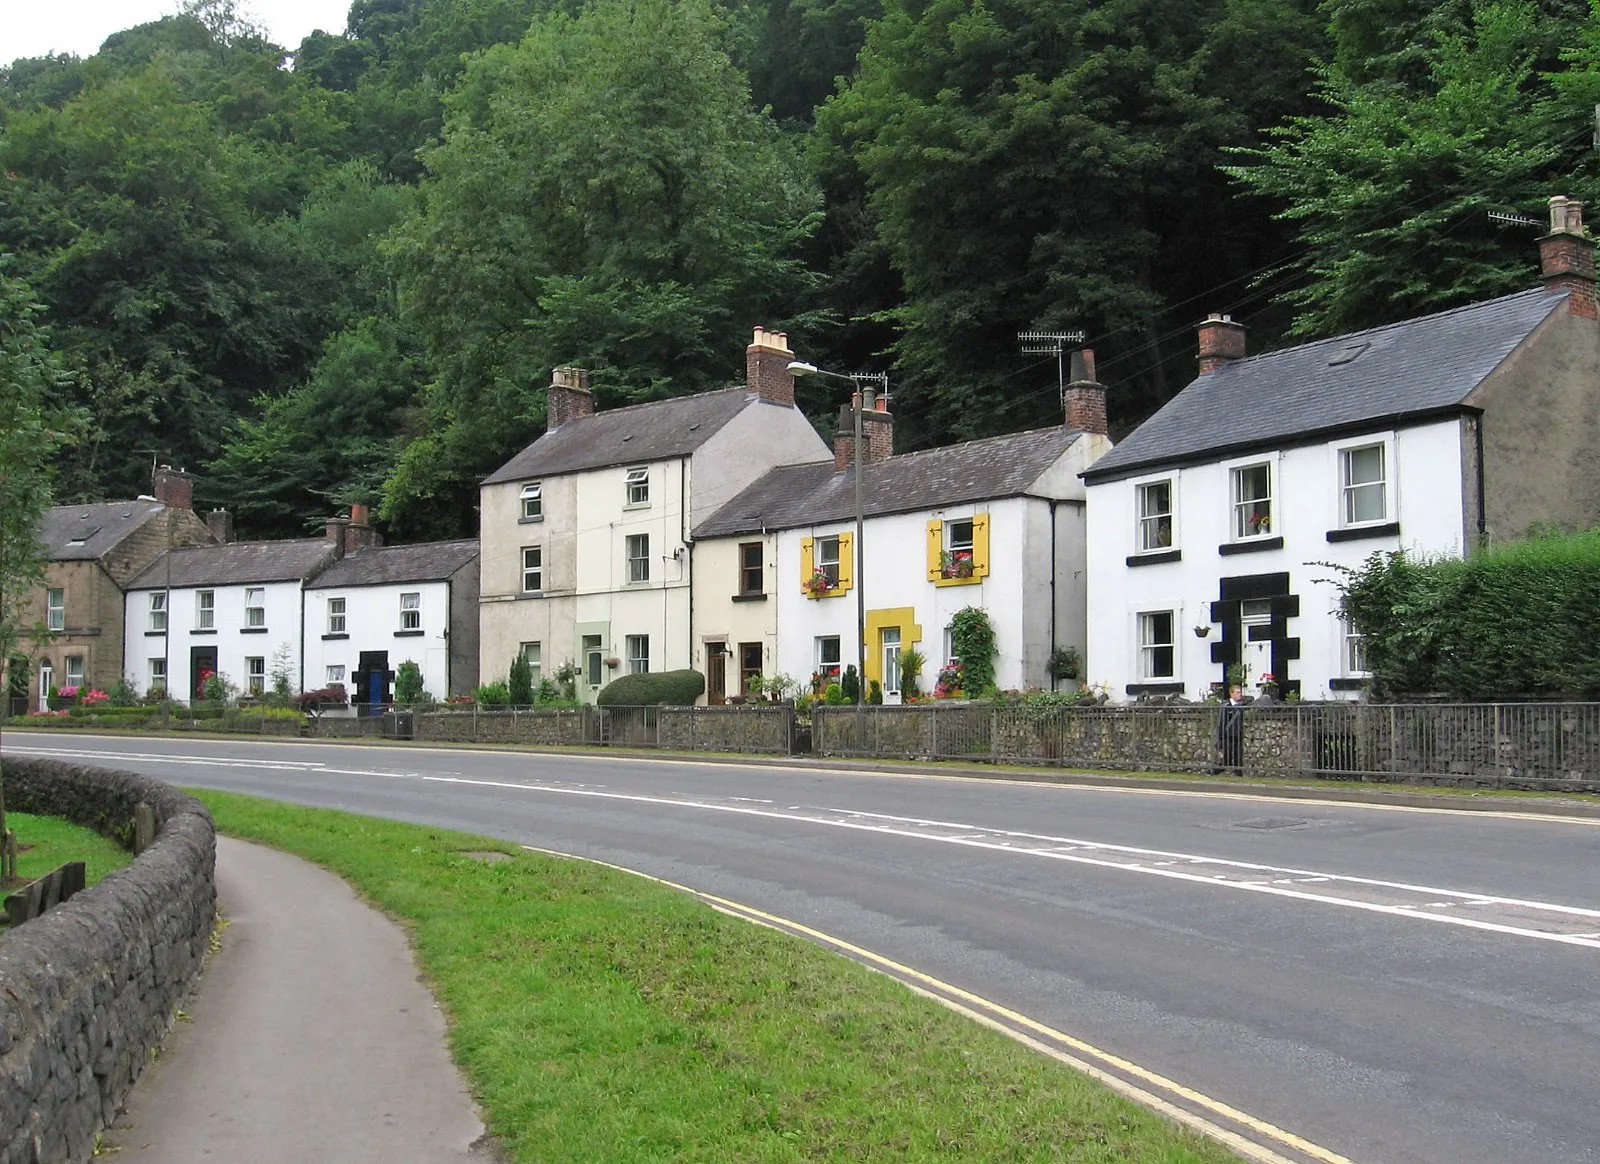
850, 683
407, 682
494, 695
972, 641
674, 688
519, 684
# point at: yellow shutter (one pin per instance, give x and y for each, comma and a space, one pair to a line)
980, 545
935, 549
807, 564
847, 561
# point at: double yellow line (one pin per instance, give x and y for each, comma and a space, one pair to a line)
1252, 1138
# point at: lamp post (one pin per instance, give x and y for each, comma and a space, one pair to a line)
857, 405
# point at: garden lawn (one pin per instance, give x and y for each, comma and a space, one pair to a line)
47, 841
600, 1016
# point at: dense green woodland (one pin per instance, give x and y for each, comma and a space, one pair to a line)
341, 271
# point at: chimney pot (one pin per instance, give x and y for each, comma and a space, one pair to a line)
1566, 257
766, 367
568, 397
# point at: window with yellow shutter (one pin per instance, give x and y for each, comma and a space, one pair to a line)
958, 550
826, 565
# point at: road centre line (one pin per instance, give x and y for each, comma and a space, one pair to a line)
1065, 783
1007, 1022
1406, 911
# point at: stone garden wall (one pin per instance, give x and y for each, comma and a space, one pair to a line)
90, 988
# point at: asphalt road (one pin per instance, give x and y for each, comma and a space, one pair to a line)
1371, 983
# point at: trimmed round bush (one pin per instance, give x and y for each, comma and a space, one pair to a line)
675, 688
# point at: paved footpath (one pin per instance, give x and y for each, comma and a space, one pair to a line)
312, 1038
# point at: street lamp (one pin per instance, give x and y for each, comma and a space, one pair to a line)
858, 405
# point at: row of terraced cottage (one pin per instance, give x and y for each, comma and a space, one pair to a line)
719, 532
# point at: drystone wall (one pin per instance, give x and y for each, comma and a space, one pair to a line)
91, 987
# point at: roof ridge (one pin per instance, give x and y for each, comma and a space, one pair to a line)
653, 403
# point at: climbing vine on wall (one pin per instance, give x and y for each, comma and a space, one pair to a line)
972, 641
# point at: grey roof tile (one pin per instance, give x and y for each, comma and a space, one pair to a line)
236, 563
388, 565
635, 434
812, 493
77, 533
1405, 369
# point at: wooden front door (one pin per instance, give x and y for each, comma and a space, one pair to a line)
716, 673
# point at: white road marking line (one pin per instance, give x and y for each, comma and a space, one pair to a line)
1065, 783
965, 1002
1173, 874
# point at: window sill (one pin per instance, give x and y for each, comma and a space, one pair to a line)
530, 520
636, 505
530, 594
970, 580
155, 634
1253, 546
210, 631
837, 592
636, 584
1157, 558
1154, 688
1355, 533
750, 597
409, 634
1347, 683
252, 630
331, 638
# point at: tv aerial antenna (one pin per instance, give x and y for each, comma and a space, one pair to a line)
1051, 343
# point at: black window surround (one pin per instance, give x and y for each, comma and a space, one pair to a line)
749, 597
210, 631
1154, 689
1355, 533
1346, 684
1253, 546
331, 638
409, 634
155, 634
1155, 559
252, 630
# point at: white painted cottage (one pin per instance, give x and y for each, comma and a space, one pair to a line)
996, 524
1212, 526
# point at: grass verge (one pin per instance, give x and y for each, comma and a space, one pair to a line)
47, 841
600, 1016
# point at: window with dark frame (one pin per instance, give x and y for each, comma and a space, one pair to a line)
752, 568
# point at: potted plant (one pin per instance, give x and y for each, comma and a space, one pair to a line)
819, 584
1064, 663
956, 565
1202, 631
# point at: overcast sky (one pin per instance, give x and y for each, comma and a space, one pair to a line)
31, 28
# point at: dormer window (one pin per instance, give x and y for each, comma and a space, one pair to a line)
532, 501
638, 486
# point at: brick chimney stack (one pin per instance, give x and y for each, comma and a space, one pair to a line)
173, 487
877, 432
567, 398
1567, 257
337, 528
766, 367
220, 523
1221, 342
1085, 401
358, 535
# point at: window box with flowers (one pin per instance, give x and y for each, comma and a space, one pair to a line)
819, 585
951, 682
955, 565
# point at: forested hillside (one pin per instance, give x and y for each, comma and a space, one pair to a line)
341, 271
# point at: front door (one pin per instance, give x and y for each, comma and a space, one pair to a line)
372, 679
891, 663
716, 673
17, 685
593, 662
202, 665
47, 678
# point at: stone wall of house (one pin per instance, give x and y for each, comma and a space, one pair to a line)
90, 988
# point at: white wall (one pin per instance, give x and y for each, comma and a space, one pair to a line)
758, 438
282, 602
1016, 594
1424, 496
372, 622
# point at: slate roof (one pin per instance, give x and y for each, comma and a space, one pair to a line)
84, 533
389, 565
813, 493
236, 563
632, 435
1420, 366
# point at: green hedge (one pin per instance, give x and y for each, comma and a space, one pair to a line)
1518, 619
677, 688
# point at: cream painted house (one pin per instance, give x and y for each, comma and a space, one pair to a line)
996, 524
585, 534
